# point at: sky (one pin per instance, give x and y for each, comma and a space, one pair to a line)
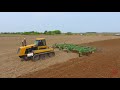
65, 21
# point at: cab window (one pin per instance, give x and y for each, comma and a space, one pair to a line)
40, 42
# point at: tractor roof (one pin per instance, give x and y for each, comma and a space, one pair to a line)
40, 38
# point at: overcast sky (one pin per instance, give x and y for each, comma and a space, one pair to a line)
64, 21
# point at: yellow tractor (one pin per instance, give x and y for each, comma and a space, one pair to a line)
36, 51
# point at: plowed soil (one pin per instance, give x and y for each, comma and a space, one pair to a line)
105, 63
12, 67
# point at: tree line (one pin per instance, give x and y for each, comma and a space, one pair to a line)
35, 32
52, 32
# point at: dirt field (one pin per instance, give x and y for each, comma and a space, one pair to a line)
99, 64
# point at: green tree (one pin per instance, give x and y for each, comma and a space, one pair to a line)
57, 31
52, 32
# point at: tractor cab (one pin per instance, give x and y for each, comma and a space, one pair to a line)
40, 43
